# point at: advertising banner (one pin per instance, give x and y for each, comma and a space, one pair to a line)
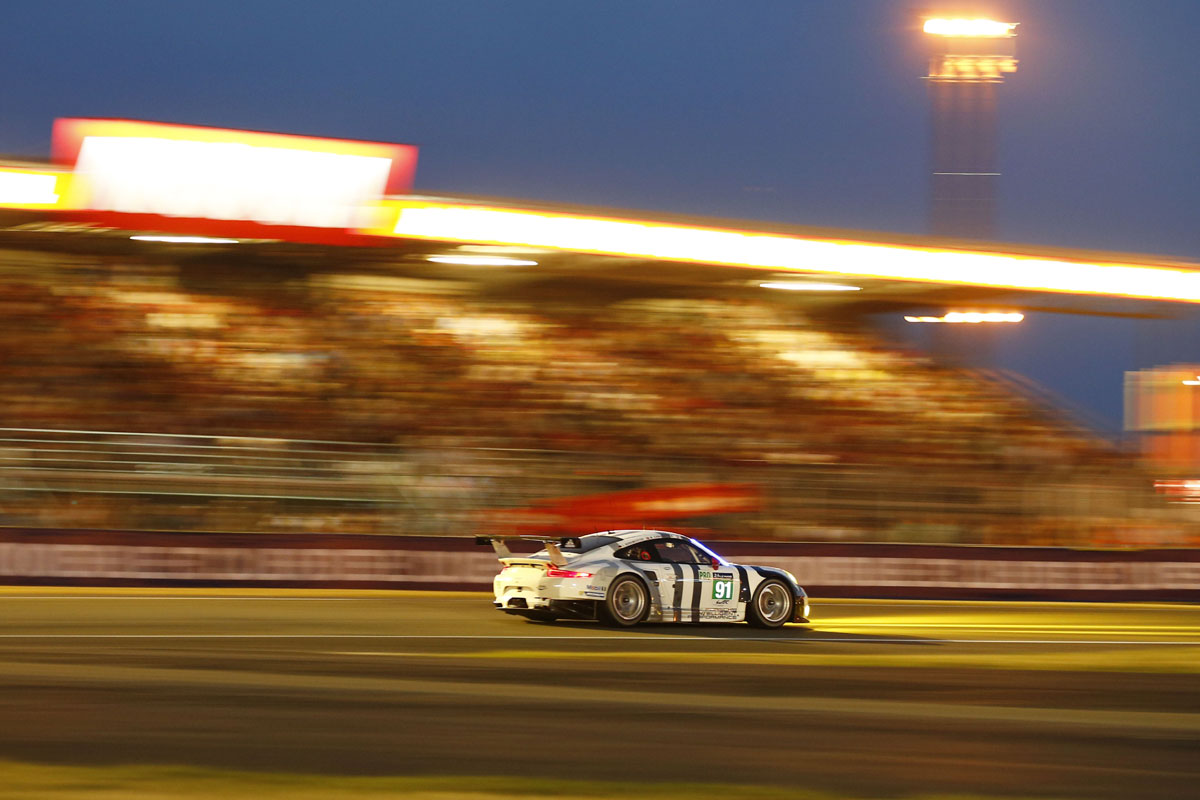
108, 558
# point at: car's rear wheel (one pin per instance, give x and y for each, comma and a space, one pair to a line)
627, 602
772, 605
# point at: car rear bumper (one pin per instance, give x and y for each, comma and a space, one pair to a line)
515, 599
528, 605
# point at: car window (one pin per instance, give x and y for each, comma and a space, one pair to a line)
674, 551
643, 551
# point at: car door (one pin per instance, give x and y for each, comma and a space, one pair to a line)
717, 586
692, 573
722, 593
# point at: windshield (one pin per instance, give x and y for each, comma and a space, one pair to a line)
710, 552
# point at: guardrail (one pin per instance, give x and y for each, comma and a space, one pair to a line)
106, 462
130, 480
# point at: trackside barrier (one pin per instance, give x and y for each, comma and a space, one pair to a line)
119, 558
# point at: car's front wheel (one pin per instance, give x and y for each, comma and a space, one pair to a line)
772, 605
626, 603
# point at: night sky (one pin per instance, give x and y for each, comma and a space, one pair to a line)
804, 111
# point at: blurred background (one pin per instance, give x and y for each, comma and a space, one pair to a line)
284, 387
898, 297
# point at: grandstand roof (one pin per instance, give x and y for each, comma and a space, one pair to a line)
616, 253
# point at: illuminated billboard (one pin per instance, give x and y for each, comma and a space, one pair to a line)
235, 183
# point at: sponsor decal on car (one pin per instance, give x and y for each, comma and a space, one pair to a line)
719, 613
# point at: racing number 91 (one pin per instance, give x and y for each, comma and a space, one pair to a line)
723, 589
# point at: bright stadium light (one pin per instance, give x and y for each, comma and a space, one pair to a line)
977, 28
184, 239
972, 317
482, 261
809, 286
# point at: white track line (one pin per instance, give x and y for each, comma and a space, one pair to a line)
634, 638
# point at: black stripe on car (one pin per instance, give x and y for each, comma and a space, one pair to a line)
678, 604
744, 579
697, 589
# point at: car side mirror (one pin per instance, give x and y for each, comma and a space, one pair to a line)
716, 563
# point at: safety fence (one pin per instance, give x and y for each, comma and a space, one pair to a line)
114, 558
153, 481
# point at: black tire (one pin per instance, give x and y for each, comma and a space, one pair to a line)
627, 602
772, 604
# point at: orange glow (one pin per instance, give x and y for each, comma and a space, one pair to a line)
985, 28
457, 222
33, 189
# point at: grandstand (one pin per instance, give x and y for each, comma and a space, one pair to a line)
322, 389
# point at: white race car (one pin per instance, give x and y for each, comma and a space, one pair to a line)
626, 577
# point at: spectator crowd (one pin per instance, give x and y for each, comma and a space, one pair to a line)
489, 404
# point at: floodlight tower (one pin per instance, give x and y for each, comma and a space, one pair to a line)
968, 61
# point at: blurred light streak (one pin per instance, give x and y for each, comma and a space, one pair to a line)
482, 261
971, 317
969, 27
420, 219
804, 286
184, 239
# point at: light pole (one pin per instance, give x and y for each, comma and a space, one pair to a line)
968, 60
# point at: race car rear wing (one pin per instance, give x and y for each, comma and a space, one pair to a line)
553, 545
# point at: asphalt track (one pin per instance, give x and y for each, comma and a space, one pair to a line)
875, 699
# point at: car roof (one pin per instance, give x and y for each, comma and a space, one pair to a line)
603, 543
630, 535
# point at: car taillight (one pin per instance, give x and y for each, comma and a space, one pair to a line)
555, 572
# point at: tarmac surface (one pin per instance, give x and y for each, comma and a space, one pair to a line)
874, 699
